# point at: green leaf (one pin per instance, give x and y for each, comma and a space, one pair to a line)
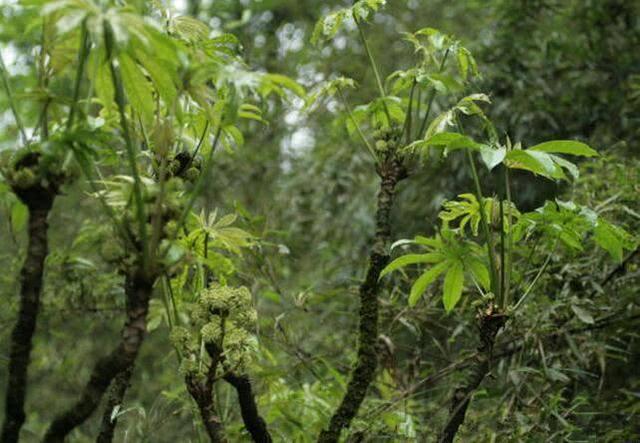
583, 315
445, 83
440, 123
452, 141
410, 259
479, 271
189, 28
492, 157
139, 92
609, 239
160, 72
280, 82
466, 61
428, 277
565, 147
566, 164
102, 78
453, 282
534, 161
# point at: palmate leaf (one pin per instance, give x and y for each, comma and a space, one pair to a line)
565, 147
539, 163
448, 141
161, 73
410, 259
329, 89
453, 284
138, 88
541, 159
428, 277
571, 224
327, 27
478, 270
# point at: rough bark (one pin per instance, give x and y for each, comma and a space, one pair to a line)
489, 325
202, 393
116, 396
253, 422
138, 289
39, 201
391, 172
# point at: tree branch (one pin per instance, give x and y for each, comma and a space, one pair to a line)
391, 172
116, 396
489, 325
39, 201
138, 290
253, 422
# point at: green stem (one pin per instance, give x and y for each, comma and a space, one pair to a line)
200, 182
12, 104
172, 298
535, 279
509, 264
485, 227
166, 304
374, 66
83, 51
408, 118
131, 152
502, 300
357, 126
199, 145
432, 97
43, 83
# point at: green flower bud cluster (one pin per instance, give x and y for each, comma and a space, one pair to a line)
181, 338
223, 316
185, 166
36, 168
386, 138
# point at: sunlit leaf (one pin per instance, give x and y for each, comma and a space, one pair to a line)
428, 277
452, 289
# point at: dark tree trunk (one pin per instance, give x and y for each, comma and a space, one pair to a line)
31, 277
138, 289
116, 396
253, 422
490, 324
391, 172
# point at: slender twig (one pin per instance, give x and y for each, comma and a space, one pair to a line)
374, 66
357, 126
535, 279
196, 151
